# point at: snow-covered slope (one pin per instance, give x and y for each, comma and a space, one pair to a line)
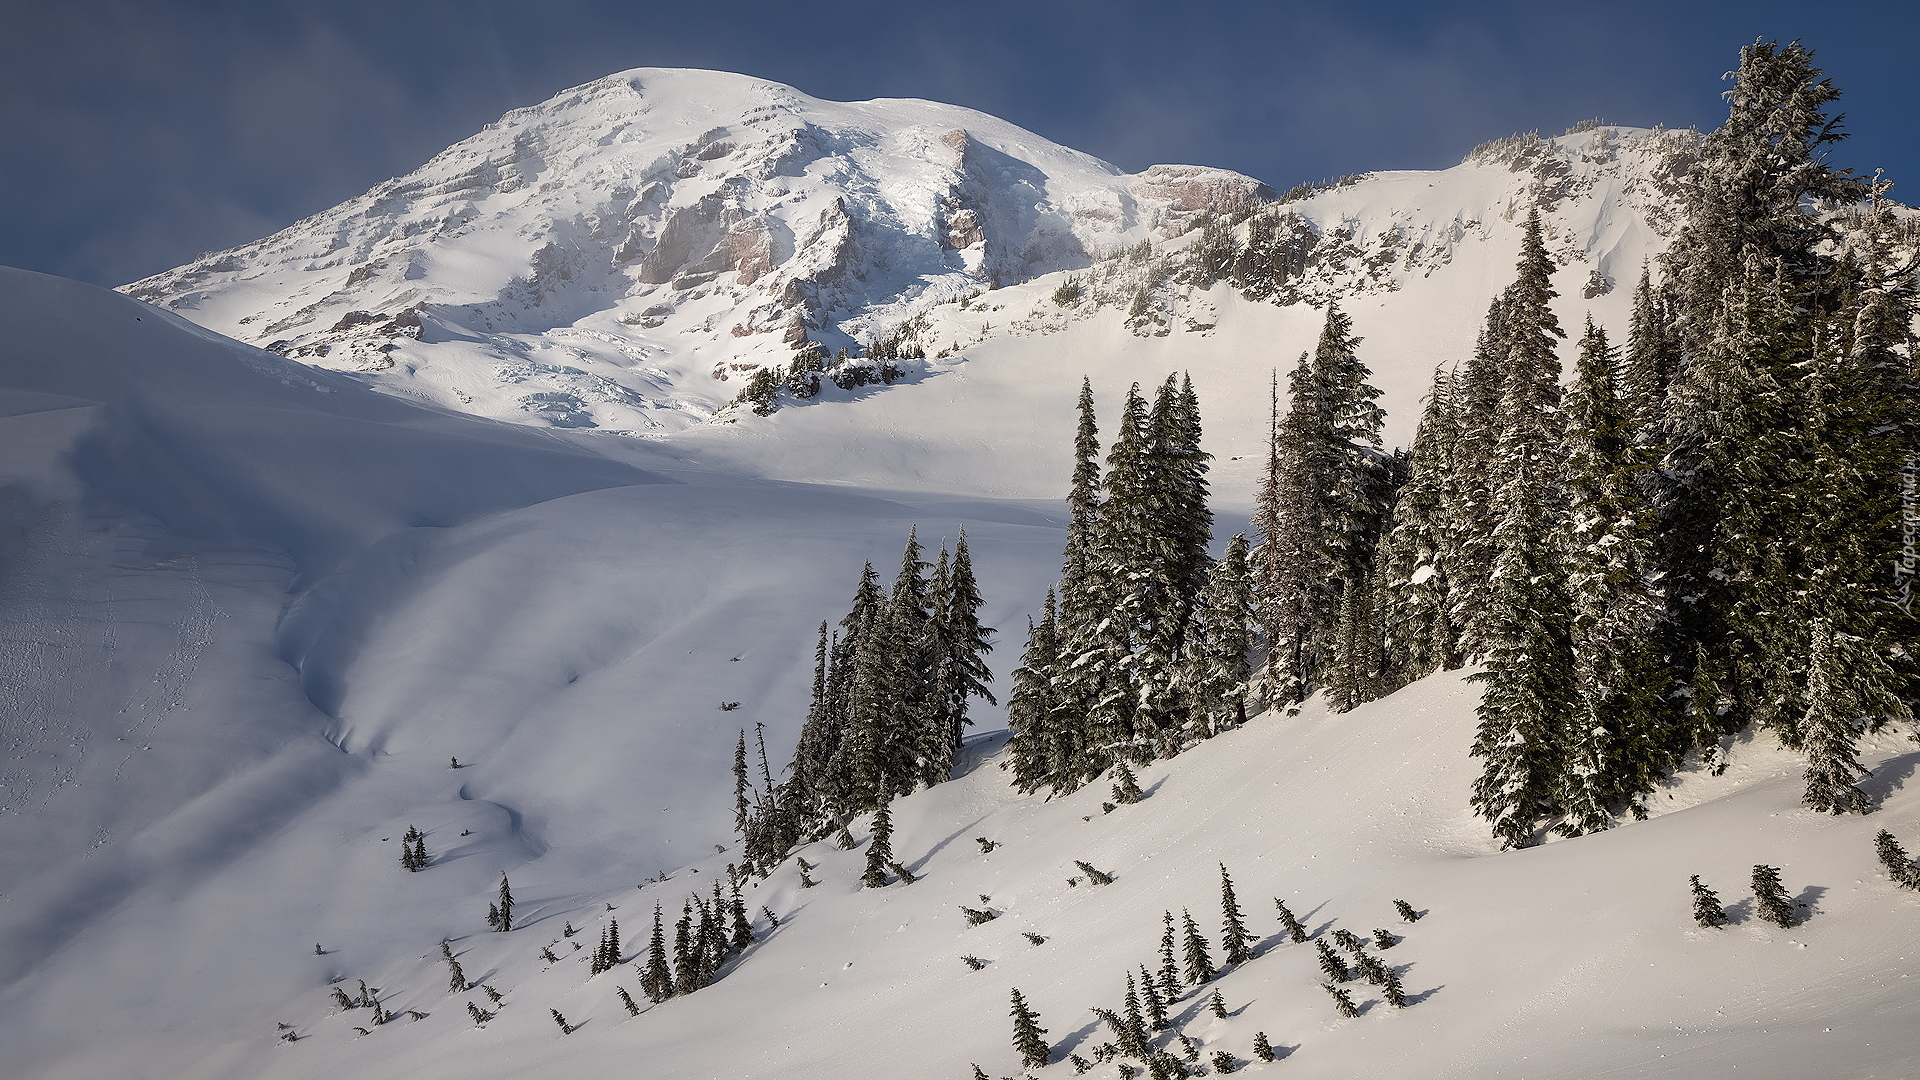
228, 696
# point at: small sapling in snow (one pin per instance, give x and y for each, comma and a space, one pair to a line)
1094, 876
493, 995
1349, 941
1341, 1000
1894, 857
772, 919
973, 962
1331, 964
1126, 789
1391, 989
1384, 940
565, 1028
633, 1009
1263, 1049
547, 955
1706, 905
317, 950
1372, 970
1033, 938
455, 763
1295, 931
480, 1015
1406, 911
1107, 808
976, 916
1218, 1004
986, 845
1771, 900
456, 976
1081, 1066
978, 1074
1224, 1062
1027, 1034
344, 1002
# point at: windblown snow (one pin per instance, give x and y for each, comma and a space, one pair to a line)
253, 602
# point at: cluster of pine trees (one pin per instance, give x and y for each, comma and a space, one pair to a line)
1697, 534
1144, 646
890, 696
1694, 536
709, 933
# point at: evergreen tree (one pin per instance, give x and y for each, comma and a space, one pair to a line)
1169, 972
1199, 965
1218, 1004
879, 848
1406, 911
1135, 1017
1391, 989
964, 641
740, 785
742, 928
1330, 962
1706, 905
686, 964
1216, 673
1417, 547
1296, 932
1045, 744
503, 908
1341, 1001
626, 999
1027, 1034
1894, 857
656, 980
1295, 580
1235, 940
456, 975
1524, 713
1156, 1006
1384, 940
1771, 901
1263, 1049
1827, 733
1126, 786
566, 1028
1620, 744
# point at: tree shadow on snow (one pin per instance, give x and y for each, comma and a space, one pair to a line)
1809, 899
1077, 1038
941, 846
1415, 999
1740, 911
1890, 777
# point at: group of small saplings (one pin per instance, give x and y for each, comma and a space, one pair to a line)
1770, 899
1149, 995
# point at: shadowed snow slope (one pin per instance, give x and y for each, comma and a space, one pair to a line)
249, 610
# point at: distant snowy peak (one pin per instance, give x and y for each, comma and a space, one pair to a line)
623, 255
738, 209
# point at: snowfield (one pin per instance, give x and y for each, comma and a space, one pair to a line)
254, 604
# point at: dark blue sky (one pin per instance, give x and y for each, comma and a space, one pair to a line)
136, 134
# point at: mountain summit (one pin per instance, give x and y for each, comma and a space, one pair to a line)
551, 254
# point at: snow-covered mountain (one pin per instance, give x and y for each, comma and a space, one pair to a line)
624, 255
613, 256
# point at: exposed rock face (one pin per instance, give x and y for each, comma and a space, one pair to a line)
1187, 190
